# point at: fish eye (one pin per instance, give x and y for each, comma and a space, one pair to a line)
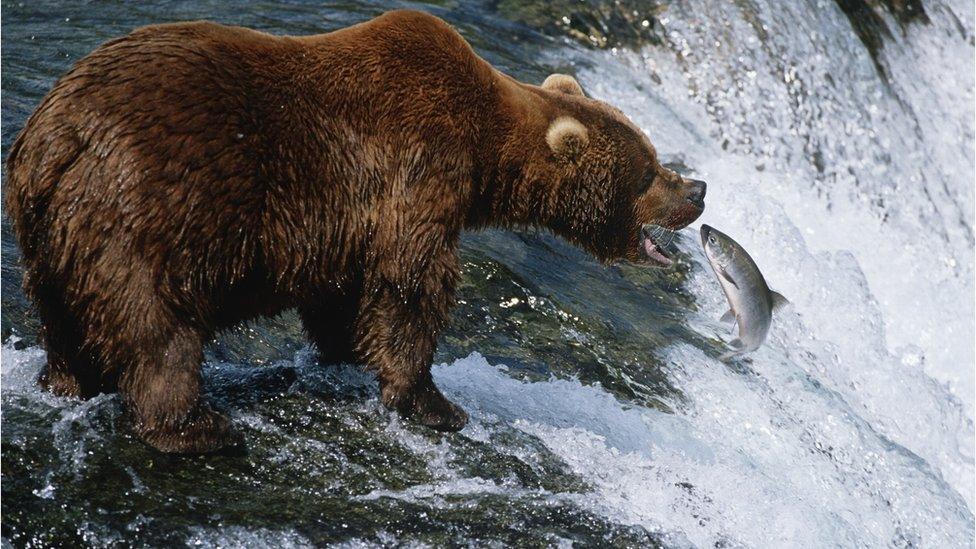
711, 238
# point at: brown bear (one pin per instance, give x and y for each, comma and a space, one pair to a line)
191, 176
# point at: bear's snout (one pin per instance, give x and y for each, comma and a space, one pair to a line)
696, 192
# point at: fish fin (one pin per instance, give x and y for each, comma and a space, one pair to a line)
729, 316
736, 344
726, 276
778, 300
727, 356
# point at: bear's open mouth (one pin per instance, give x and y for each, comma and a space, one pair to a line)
651, 236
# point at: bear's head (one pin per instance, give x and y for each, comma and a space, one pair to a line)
600, 182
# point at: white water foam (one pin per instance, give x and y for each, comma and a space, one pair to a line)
236, 536
883, 296
767, 457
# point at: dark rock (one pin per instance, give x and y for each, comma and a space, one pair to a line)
619, 23
869, 24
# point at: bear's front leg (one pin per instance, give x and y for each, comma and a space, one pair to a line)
397, 335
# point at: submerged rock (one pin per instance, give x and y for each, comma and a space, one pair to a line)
868, 22
620, 23
632, 24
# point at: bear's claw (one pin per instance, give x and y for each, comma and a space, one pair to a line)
446, 416
427, 406
206, 433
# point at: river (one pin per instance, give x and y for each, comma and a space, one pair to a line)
840, 155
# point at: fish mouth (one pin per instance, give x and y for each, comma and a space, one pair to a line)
650, 237
705, 231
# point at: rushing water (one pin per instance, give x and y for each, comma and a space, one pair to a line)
600, 414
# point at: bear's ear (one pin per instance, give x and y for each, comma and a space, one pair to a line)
563, 83
566, 136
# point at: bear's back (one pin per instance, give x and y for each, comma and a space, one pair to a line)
180, 97
198, 144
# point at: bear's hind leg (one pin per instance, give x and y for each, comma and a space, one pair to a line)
56, 377
161, 392
67, 372
329, 323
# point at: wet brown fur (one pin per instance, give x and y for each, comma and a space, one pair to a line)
190, 176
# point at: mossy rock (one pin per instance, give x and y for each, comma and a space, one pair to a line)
604, 25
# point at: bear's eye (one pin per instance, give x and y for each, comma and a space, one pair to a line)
645, 183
